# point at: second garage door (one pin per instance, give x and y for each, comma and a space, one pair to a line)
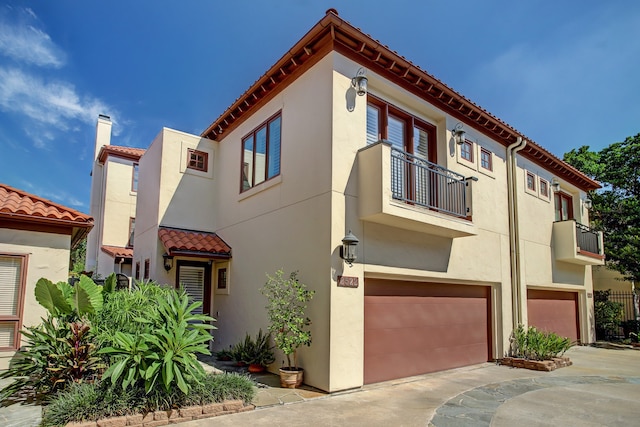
555, 311
414, 328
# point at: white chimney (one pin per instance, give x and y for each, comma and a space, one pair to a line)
103, 133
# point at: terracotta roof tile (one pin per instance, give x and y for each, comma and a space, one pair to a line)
118, 252
188, 242
19, 204
130, 153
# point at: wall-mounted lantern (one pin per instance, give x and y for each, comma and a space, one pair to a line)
359, 82
348, 248
587, 203
168, 261
458, 134
555, 185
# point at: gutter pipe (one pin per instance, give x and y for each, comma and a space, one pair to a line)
514, 230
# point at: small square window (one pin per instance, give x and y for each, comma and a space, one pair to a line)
197, 160
466, 151
486, 159
531, 181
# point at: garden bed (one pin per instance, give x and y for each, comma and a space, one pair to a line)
536, 365
161, 418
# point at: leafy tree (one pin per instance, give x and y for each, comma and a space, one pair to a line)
616, 206
78, 256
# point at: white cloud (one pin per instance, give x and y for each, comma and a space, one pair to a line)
28, 44
55, 104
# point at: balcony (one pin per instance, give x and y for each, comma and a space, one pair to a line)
398, 189
578, 244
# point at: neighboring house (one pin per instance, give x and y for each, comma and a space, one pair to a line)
605, 278
114, 186
36, 237
462, 236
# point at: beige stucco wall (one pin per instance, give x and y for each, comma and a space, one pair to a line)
173, 196
48, 256
604, 278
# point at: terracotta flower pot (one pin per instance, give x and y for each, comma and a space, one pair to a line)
255, 368
291, 378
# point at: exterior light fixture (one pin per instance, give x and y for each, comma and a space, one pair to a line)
588, 204
359, 82
458, 134
348, 248
168, 261
555, 185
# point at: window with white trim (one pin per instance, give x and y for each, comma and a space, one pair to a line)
261, 153
12, 286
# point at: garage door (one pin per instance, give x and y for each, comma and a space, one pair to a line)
554, 311
415, 328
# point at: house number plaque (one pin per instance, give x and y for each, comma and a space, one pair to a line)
347, 282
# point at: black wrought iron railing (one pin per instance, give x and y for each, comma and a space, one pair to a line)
587, 239
419, 182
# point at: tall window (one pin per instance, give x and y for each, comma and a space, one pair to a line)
404, 131
486, 160
132, 229
564, 206
146, 269
137, 275
466, 151
134, 178
12, 287
544, 188
261, 153
531, 181
197, 160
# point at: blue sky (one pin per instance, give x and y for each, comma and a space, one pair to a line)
566, 73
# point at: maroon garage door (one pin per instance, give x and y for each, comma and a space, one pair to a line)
413, 328
554, 311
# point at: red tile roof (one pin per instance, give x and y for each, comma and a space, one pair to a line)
193, 243
334, 33
129, 153
118, 252
20, 207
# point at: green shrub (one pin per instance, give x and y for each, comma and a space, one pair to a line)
608, 315
537, 345
167, 354
134, 312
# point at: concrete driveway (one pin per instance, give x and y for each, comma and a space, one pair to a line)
602, 388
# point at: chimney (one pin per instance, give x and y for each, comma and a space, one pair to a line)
103, 133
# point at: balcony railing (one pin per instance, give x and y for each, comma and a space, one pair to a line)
576, 243
419, 182
587, 239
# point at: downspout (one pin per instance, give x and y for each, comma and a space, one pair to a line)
514, 229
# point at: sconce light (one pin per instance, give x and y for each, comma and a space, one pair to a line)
587, 203
458, 134
348, 248
359, 82
555, 185
168, 261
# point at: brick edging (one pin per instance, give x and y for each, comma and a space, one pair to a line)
173, 416
536, 365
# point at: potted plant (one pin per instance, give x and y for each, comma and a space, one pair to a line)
287, 302
260, 354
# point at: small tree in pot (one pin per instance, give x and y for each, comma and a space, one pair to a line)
288, 299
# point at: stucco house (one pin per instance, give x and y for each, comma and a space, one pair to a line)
114, 187
466, 227
36, 236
